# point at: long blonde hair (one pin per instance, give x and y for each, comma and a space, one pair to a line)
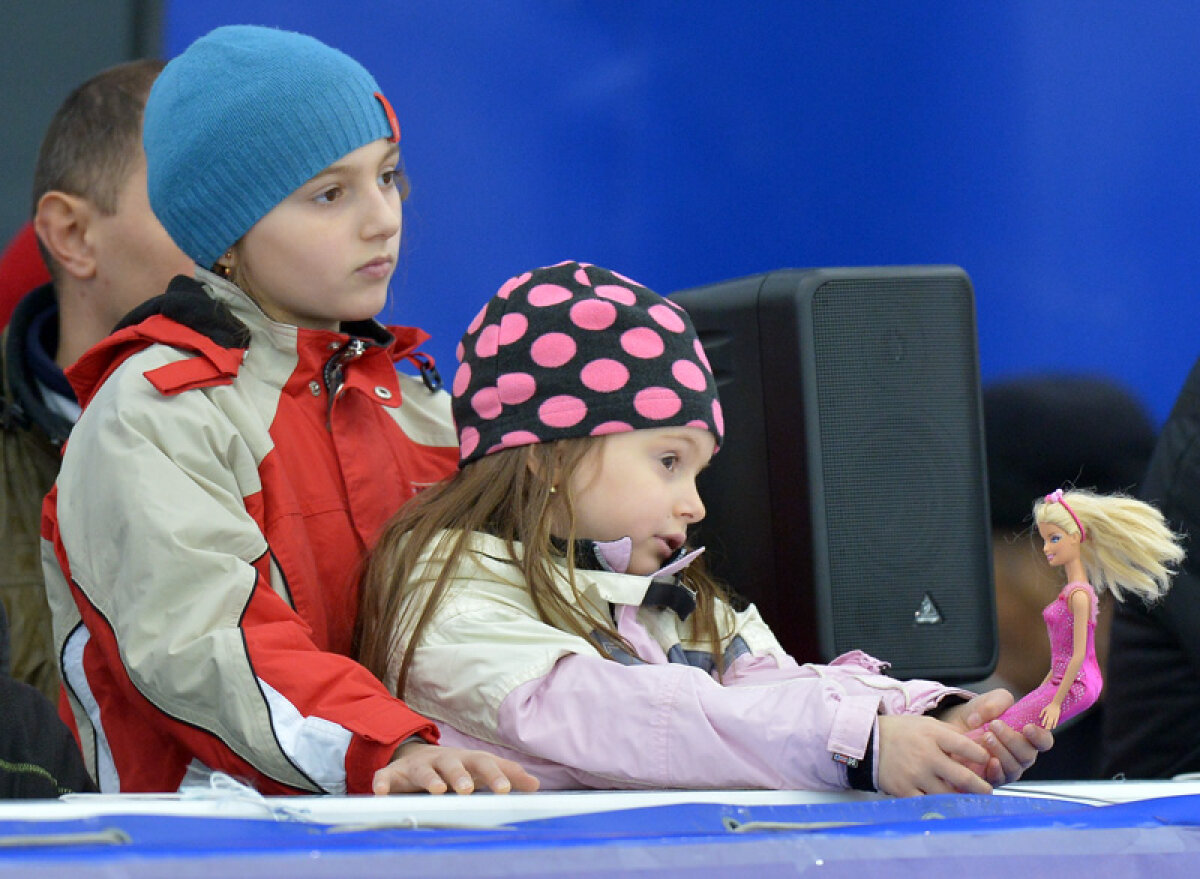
1128, 546
512, 495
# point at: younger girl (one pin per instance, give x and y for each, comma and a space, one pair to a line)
245, 437
1101, 542
543, 603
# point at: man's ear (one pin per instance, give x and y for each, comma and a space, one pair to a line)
62, 222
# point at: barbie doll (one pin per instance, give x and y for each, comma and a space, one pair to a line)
1102, 542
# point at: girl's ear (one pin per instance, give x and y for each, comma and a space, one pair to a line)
532, 464
542, 466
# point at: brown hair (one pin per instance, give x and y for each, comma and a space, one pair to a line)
509, 494
95, 137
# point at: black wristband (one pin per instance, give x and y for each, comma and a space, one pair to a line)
860, 774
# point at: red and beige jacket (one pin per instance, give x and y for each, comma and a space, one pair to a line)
203, 541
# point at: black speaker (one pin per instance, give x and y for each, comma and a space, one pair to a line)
849, 502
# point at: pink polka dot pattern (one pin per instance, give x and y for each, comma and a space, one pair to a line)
666, 318
486, 403
604, 376
476, 321
642, 342
562, 411
511, 284
515, 387
552, 349
657, 404
575, 350
468, 441
515, 438
512, 327
623, 295
613, 427
462, 378
594, 314
689, 375
488, 342
544, 295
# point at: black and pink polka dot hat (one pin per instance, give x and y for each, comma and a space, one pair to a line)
574, 350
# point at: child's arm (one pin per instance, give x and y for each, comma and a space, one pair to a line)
420, 767
923, 755
193, 647
1010, 752
500, 677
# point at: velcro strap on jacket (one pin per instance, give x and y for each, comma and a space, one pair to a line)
196, 372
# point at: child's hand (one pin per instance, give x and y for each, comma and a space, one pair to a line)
420, 766
1011, 752
923, 755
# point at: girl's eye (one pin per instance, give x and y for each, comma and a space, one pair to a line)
1054, 539
669, 461
388, 177
326, 196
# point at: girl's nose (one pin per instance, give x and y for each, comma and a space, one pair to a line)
384, 214
691, 506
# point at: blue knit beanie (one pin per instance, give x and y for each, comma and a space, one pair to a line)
244, 117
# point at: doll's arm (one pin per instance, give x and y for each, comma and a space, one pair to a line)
1080, 610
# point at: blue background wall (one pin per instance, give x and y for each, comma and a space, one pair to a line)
1050, 148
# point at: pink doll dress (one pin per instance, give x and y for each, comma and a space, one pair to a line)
1086, 689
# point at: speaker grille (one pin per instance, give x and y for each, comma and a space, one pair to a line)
897, 405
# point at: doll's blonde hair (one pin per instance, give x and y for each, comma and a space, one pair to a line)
1128, 546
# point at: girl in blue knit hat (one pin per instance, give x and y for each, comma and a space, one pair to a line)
543, 603
245, 437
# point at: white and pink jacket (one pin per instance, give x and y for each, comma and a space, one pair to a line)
497, 677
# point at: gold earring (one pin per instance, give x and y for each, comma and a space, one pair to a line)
223, 269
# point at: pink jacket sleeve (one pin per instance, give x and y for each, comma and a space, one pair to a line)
598, 723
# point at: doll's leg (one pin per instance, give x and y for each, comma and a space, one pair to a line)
1026, 710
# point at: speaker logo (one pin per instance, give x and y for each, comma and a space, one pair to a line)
927, 614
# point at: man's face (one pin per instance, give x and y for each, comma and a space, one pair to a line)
135, 257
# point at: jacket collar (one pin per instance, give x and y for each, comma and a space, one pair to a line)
601, 586
209, 315
401, 342
22, 405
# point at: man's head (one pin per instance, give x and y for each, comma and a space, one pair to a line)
101, 242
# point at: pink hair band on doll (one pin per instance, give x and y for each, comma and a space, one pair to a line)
1056, 497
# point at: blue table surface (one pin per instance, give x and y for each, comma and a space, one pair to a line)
991, 835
